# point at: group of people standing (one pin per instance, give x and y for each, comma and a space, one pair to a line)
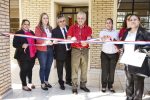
74, 56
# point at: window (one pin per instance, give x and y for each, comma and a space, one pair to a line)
139, 7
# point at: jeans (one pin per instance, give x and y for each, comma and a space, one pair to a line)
45, 59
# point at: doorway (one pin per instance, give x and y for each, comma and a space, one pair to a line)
71, 13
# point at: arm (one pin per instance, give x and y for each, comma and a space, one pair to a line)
17, 41
38, 33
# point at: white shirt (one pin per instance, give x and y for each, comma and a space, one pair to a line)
109, 48
129, 48
62, 30
48, 33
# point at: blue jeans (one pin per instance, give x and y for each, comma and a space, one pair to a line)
45, 59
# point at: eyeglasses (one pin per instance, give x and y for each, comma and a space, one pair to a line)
62, 21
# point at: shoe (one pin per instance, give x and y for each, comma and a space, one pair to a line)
43, 86
69, 83
112, 90
48, 85
26, 88
74, 91
62, 87
85, 89
31, 86
103, 90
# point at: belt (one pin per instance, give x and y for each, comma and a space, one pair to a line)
80, 48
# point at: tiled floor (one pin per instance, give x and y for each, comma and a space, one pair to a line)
55, 93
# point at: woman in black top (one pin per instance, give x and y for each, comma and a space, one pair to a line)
25, 54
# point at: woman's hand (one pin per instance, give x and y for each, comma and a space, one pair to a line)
48, 42
106, 38
25, 45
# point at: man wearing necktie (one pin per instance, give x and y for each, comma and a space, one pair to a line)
62, 52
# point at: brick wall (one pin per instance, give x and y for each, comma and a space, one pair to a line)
14, 15
31, 9
101, 10
5, 77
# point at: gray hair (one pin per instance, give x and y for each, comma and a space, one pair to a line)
82, 13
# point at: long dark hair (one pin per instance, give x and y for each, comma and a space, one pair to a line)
41, 25
124, 25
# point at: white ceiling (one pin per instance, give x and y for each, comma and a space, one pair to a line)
73, 2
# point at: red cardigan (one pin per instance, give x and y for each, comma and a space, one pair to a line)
40, 33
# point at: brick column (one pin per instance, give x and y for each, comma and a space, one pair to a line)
100, 11
5, 76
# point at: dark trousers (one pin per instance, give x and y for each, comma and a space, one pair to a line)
134, 86
108, 65
26, 70
45, 59
60, 64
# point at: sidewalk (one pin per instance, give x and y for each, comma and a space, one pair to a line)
55, 93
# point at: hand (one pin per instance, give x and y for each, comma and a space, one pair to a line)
25, 45
73, 38
55, 42
48, 42
84, 44
106, 38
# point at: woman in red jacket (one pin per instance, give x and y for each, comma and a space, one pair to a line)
44, 53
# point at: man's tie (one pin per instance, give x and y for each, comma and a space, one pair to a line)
65, 33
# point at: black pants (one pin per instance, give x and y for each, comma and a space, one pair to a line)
60, 64
26, 70
134, 86
108, 65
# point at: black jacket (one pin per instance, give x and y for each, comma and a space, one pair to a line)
59, 49
141, 35
17, 43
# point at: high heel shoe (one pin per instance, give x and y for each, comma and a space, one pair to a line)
48, 85
43, 86
26, 88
